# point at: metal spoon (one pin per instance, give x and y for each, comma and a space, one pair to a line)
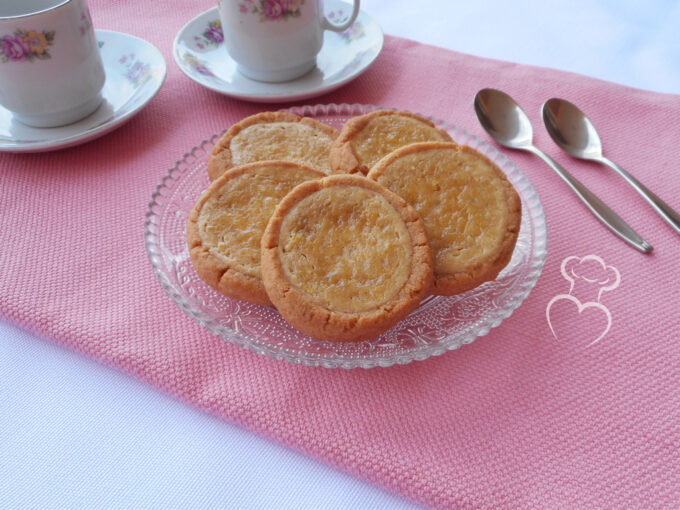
507, 123
573, 132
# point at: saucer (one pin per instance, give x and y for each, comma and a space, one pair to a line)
135, 71
200, 54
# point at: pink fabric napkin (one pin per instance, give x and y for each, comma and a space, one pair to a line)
527, 416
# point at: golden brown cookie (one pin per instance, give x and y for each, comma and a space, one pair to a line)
471, 211
343, 259
277, 136
227, 221
365, 139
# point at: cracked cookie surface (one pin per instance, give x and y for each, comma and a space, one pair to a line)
226, 224
343, 259
277, 136
471, 212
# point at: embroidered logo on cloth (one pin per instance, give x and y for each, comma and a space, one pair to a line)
579, 314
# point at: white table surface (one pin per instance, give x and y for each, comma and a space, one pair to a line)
77, 434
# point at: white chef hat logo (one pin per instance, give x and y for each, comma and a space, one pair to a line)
590, 274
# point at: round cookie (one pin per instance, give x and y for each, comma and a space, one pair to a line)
350, 273
471, 211
277, 136
225, 226
365, 139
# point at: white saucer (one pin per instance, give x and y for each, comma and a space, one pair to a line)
135, 71
343, 57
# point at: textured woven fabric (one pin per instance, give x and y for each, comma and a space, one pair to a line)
527, 416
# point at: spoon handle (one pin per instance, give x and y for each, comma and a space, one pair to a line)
664, 210
601, 210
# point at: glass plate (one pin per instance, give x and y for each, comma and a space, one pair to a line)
438, 325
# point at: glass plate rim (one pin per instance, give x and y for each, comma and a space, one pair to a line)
537, 256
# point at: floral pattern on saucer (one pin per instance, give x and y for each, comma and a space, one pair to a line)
136, 71
353, 33
198, 65
26, 45
356, 31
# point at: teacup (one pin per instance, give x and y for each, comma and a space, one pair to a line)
276, 40
51, 72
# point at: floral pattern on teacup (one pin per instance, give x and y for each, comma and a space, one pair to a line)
273, 10
211, 36
135, 71
85, 22
26, 46
338, 17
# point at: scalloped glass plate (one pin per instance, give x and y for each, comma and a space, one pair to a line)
438, 325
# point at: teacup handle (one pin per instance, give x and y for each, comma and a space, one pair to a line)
327, 25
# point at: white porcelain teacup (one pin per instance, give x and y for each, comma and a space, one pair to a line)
51, 72
276, 40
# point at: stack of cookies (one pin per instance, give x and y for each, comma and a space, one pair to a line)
345, 232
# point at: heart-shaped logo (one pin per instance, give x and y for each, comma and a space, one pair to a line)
573, 321
586, 322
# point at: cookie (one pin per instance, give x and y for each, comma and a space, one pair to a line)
343, 259
471, 211
365, 139
277, 136
227, 221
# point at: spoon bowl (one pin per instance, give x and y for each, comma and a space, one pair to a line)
503, 119
508, 125
573, 132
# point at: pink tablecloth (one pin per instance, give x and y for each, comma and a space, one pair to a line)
528, 416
